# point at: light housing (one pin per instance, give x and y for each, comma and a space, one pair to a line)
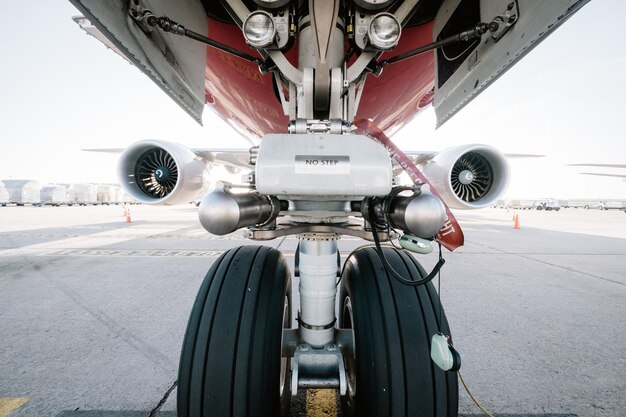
259, 29
271, 4
384, 31
373, 4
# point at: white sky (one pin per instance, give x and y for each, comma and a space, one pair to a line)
62, 91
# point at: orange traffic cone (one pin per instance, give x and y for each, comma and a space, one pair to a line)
516, 221
127, 215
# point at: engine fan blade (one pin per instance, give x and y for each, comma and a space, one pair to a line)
156, 173
471, 177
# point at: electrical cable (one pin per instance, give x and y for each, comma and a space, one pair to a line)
475, 32
443, 52
439, 317
439, 297
389, 268
485, 412
351, 254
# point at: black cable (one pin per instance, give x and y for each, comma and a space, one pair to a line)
464, 36
390, 269
439, 295
170, 26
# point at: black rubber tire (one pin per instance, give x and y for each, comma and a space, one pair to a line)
392, 373
230, 363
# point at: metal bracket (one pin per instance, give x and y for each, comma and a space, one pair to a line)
287, 229
344, 347
318, 368
304, 126
505, 21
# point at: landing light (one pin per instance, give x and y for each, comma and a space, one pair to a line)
259, 29
384, 31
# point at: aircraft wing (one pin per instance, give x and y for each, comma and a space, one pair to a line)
236, 159
232, 158
601, 174
420, 157
598, 165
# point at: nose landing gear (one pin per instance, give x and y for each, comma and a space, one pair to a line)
233, 362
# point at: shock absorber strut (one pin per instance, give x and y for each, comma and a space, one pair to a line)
318, 278
317, 360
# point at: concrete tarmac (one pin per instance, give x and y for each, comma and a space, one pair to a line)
93, 309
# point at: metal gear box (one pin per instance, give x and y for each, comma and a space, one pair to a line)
316, 167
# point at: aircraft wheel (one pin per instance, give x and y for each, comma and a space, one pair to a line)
231, 362
391, 373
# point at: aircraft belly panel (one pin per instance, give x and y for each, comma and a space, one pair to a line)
244, 97
236, 89
403, 88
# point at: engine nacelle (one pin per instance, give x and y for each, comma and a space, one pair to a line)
468, 176
160, 172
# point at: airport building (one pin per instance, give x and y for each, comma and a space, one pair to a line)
29, 192
23, 191
4, 194
85, 193
55, 195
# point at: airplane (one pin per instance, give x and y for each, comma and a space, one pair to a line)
602, 174
318, 87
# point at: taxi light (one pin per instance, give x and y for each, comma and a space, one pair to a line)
384, 31
259, 29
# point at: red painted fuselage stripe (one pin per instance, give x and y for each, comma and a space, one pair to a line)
450, 235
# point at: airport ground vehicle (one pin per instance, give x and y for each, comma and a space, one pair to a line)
548, 205
611, 205
317, 97
522, 204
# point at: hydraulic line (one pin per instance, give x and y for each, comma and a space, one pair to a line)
464, 36
170, 26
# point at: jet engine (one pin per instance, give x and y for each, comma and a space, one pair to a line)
160, 172
468, 176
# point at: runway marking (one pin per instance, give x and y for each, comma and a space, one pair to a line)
149, 253
321, 403
136, 253
10, 404
573, 270
112, 234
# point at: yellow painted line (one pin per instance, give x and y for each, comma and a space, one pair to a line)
321, 403
10, 404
